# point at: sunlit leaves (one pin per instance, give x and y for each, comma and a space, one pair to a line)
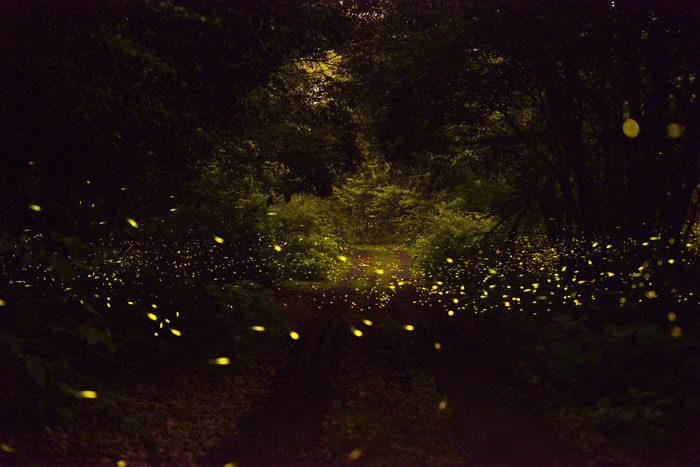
630, 128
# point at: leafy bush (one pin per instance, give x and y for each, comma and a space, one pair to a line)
382, 209
610, 321
452, 237
298, 242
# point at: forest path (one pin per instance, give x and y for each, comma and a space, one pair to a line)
389, 397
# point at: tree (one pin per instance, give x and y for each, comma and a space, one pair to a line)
538, 92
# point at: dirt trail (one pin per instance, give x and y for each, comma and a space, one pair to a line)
390, 397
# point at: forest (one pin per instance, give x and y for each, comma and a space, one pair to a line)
331, 232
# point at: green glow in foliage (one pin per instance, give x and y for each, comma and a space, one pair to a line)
630, 128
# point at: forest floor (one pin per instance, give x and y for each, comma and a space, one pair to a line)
377, 378
395, 395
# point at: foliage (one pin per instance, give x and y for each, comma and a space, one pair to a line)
615, 321
298, 242
382, 208
537, 93
451, 233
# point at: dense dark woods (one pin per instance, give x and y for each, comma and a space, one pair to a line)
211, 209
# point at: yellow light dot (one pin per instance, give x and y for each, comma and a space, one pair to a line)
277, 248
35, 207
230, 464
355, 331
220, 361
630, 128
449, 260
676, 332
132, 223
450, 313
379, 271
367, 322
342, 258
442, 405
258, 328
86, 394
455, 300
674, 130
7, 448
152, 316
355, 454
408, 327
175, 331
294, 335
672, 317
218, 239
437, 346
2, 302
121, 463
